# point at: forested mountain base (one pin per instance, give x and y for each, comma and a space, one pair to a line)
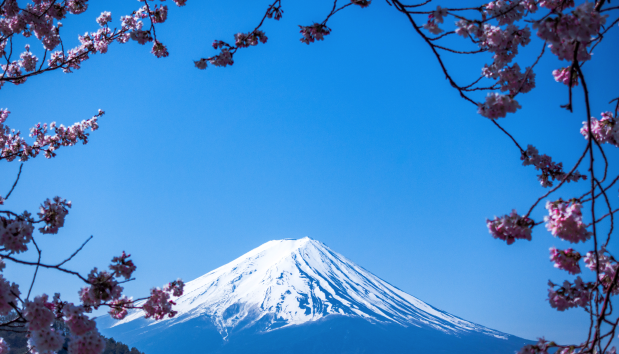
19, 345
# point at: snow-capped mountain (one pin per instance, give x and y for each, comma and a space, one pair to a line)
292, 283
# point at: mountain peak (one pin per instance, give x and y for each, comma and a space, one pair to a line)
294, 281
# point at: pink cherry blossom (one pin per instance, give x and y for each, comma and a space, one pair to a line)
159, 50
90, 343
565, 259
104, 18
507, 12
39, 313
158, 305
510, 227
315, 32
28, 61
276, 12
122, 266
8, 295
605, 130
497, 106
53, 214
550, 170
200, 64
176, 287
160, 14
46, 340
103, 288
180, 2
569, 295
118, 307
565, 221
564, 75
243, 40
223, 59
15, 234
78, 322
432, 27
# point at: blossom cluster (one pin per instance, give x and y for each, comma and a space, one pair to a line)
122, 266
53, 213
497, 106
14, 146
158, 305
16, 234
509, 11
511, 79
41, 20
565, 31
564, 220
566, 76
244, 40
550, 170
569, 295
8, 296
605, 130
607, 269
275, 12
510, 227
566, 259
103, 288
315, 32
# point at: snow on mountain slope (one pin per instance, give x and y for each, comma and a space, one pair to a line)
293, 281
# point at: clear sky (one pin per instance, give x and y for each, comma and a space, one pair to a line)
357, 141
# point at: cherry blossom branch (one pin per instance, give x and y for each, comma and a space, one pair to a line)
15, 183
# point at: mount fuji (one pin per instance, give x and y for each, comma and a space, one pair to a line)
298, 296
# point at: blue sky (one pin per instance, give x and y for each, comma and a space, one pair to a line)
357, 141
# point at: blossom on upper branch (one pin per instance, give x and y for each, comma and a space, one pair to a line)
118, 307
432, 27
244, 40
607, 269
159, 50
605, 130
53, 214
159, 305
510, 227
565, 221
180, 2
275, 12
565, 76
103, 288
104, 18
122, 266
315, 32
570, 295
497, 106
565, 31
28, 61
566, 259
176, 287
507, 11
550, 170
510, 78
